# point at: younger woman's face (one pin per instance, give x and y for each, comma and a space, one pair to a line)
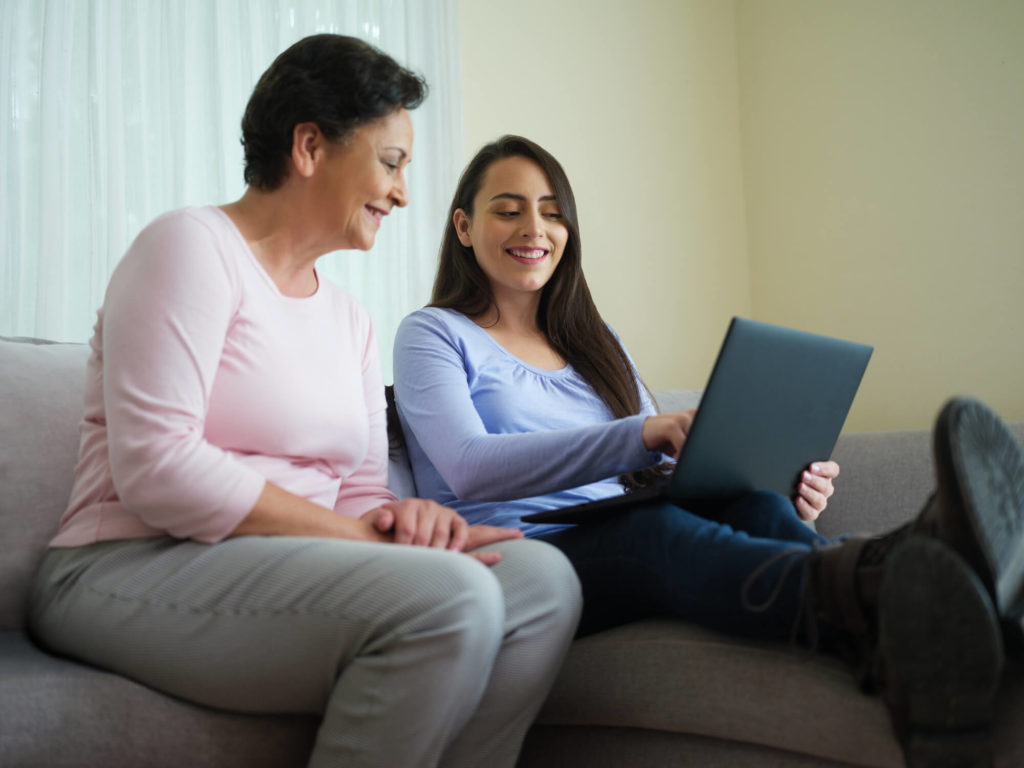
517, 232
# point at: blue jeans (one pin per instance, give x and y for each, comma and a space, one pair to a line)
710, 569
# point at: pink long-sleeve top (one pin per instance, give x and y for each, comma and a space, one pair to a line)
205, 382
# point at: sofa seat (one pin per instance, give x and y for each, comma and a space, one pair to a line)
681, 678
694, 697
58, 713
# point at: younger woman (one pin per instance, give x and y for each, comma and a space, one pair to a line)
516, 397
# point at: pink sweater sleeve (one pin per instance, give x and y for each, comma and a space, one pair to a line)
166, 316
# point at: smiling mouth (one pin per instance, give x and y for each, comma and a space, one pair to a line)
376, 213
527, 254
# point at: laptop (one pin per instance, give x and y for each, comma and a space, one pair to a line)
776, 401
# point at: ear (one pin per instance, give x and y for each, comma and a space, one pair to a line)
462, 225
307, 148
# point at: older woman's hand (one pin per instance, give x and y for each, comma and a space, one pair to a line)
815, 489
420, 522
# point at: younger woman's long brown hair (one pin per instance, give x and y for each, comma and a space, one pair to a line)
567, 314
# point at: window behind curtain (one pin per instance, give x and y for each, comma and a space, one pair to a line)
115, 112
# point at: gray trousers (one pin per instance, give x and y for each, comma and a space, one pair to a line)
413, 656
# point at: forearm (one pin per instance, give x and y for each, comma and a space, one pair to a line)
280, 513
504, 467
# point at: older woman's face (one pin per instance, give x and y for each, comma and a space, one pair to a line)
364, 178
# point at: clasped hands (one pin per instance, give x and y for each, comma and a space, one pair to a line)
667, 432
424, 523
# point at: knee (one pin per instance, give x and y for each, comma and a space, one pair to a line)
472, 590
661, 522
772, 501
780, 507
452, 595
477, 611
540, 577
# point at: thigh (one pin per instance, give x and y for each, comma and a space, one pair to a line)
249, 624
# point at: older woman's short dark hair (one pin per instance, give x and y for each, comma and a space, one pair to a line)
338, 82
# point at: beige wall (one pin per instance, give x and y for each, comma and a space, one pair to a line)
884, 167
855, 168
638, 101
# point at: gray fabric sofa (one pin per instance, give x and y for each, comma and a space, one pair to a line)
656, 693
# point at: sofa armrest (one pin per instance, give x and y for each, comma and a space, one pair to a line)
884, 479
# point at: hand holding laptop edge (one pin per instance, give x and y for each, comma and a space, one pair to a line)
815, 489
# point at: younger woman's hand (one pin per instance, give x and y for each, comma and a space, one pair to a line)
815, 489
667, 432
482, 535
420, 522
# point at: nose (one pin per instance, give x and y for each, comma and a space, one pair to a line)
533, 224
400, 191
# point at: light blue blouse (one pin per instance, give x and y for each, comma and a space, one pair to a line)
496, 438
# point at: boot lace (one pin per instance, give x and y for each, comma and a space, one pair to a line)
794, 557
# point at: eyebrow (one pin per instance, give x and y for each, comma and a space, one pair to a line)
513, 196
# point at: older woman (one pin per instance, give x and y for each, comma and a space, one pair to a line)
230, 537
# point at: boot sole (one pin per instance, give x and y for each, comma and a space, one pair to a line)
941, 654
977, 453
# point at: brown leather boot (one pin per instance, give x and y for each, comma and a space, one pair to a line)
921, 606
977, 507
939, 656
919, 627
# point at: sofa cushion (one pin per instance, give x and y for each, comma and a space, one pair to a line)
400, 478
680, 678
61, 714
41, 387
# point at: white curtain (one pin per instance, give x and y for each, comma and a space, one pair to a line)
114, 111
